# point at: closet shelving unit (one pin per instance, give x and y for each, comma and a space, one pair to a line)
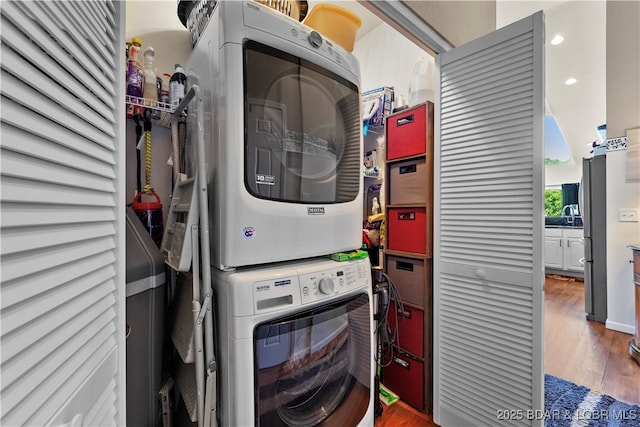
408, 252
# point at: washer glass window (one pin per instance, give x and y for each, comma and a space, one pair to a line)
314, 368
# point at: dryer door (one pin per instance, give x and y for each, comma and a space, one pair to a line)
315, 368
302, 129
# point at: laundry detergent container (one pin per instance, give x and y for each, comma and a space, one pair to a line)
145, 291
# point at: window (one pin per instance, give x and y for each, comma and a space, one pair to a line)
553, 202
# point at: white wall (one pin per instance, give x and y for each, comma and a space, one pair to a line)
623, 112
156, 23
387, 59
555, 175
620, 292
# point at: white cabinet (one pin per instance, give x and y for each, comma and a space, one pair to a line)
553, 248
573, 250
564, 247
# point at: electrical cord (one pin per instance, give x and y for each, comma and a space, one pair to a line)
388, 335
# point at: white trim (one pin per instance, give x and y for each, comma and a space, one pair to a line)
149, 282
405, 20
620, 327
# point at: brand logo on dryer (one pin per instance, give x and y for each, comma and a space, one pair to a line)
249, 232
315, 210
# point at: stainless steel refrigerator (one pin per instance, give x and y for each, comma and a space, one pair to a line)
594, 215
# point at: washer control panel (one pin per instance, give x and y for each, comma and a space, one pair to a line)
318, 285
299, 283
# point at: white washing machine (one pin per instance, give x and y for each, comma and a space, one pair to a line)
295, 344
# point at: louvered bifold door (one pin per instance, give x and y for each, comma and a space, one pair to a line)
488, 229
62, 176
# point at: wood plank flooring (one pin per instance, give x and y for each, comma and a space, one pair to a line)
585, 352
577, 350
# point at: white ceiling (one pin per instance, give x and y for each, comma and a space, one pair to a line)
579, 109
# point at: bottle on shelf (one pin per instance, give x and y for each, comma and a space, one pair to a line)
164, 92
177, 85
150, 91
135, 77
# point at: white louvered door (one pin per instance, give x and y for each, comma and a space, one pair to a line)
62, 176
488, 229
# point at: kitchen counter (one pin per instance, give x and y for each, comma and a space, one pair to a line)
579, 227
563, 221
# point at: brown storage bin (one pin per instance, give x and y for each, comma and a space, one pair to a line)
408, 182
410, 277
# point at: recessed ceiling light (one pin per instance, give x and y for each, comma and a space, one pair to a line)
570, 81
557, 39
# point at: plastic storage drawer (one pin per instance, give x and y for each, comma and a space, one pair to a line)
408, 182
406, 230
409, 276
409, 323
405, 377
406, 133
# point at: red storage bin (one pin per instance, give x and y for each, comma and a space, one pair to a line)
407, 133
407, 229
405, 377
409, 326
412, 278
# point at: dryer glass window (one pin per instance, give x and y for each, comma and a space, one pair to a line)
302, 129
314, 368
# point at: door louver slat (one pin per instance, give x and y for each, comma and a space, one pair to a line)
61, 30
23, 142
16, 291
22, 92
54, 92
23, 118
62, 173
48, 47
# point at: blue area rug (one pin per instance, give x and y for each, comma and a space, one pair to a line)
568, 404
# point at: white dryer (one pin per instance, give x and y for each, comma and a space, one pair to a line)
295, 344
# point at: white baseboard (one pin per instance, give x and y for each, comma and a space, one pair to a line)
621, 327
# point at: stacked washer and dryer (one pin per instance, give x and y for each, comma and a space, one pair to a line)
282, 131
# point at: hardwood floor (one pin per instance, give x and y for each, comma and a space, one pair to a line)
585, 352
402, 415
577, 350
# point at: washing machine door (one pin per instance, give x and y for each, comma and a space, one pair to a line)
315, 368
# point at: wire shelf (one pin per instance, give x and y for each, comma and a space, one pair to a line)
162, 111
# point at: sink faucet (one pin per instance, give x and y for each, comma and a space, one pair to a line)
571, 214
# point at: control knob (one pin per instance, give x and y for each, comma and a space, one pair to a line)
315, 39
326, 286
